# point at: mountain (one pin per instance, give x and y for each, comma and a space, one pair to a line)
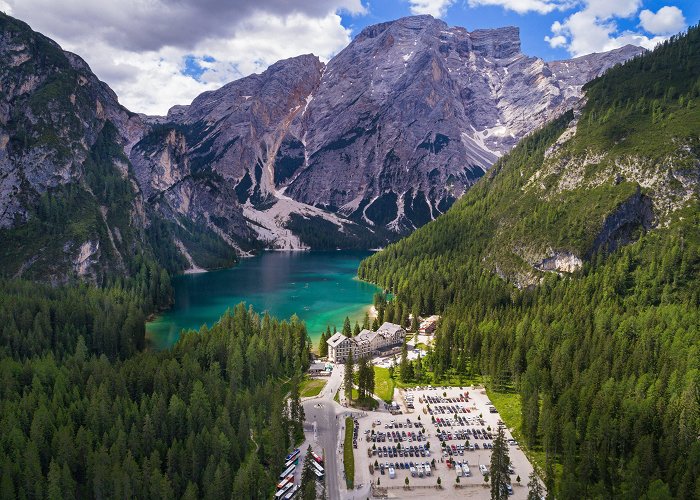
71, 204
387, 135
568, 278
413, 112
65, 197
350, 154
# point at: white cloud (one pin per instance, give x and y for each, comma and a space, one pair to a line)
605, 9
556, 41
524, 6
667, 20
146, 72
594, 28
436, 8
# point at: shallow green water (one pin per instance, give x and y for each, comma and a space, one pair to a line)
320, 287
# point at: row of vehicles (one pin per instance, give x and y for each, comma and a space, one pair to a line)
448, 410
395, 436
459, 449
451, 422
417, 469
462, 398
404, 452
462, 468
461, 435
400, 425
287, 488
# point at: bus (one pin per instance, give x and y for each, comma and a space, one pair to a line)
290, 493
284, 481
289, 470
293, 461
316, 457
292, 455
318, 467
319, 474
281, 493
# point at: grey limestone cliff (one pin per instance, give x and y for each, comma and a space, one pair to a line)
378, 141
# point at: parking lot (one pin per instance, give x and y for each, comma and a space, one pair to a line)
442, 432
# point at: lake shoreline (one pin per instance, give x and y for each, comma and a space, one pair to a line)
320, 287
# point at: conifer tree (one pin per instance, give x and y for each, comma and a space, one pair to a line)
308, 478
500, 463
534, 487
403, 367
348, 377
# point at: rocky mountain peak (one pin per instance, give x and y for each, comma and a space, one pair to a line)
409, 24
498, 43
379, 141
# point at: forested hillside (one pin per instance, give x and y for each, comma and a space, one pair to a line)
572, 275
71, 206
102, 420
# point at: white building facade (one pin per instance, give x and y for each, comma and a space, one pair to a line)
367, 343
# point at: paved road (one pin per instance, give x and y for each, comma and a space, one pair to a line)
324, 412
329, 418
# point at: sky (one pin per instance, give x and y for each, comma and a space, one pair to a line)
158, 53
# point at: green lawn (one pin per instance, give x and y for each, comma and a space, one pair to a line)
509, 409
383, 384
311, 387
348, 455
365, 404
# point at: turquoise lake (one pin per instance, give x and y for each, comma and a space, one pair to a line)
320, 287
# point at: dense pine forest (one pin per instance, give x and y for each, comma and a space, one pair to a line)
606, 359
86, 413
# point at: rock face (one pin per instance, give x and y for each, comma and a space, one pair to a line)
394, 129
71, 204
413, 112
63, 136
379, 141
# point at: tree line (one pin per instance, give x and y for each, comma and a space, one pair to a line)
204, 419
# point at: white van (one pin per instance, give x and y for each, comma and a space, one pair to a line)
427, 470
484, 470
465, 470
392, 473
413, 472
458, 469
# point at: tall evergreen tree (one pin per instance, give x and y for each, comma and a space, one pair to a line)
534, 487
308, 477
362, 377
500, 463
403, 366
347, 328
348, 376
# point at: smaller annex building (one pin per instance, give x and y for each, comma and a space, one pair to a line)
367, 343
428, 325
